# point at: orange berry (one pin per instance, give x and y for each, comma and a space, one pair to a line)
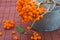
13, 32
0, 33
18, 9
11, 22
39, 37
11, 25
15, 38
4, 26
32, 37
30, 14
37, 34
30, 17
25, 17
35, 38
38, 18
28, 27
8, 28
20, 14
23, 21
7, 25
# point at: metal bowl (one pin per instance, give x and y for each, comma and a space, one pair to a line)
57, 1
50, 22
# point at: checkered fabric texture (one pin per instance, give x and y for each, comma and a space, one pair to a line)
8, 9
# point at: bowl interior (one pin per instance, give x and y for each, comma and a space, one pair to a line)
57, 1
47, 5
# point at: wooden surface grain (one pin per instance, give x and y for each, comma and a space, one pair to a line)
8, 9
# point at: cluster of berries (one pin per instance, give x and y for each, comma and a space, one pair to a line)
29, 11
8, 24
35, 36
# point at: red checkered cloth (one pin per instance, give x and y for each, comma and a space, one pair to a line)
7, 9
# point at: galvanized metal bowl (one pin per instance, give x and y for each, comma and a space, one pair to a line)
57, 1
50, 22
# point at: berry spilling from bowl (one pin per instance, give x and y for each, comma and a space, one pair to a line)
29, 11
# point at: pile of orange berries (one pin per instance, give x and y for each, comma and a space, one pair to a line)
35, 36
8, 24
29, 11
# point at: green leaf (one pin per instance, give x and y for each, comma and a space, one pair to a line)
19, 29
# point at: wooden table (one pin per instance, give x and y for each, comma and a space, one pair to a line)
8, 9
